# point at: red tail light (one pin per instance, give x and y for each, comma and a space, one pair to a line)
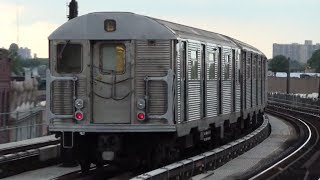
141, 116
78, 115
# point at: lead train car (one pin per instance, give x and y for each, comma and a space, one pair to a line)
125, 85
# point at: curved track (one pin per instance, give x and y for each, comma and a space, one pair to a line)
187, 168
210, 160
300, 162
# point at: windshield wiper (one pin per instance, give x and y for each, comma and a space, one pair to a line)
65, 45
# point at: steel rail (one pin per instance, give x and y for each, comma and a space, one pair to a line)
293, 153
212, 159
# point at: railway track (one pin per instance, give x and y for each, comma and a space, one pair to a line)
26, 157
210, 160
302, 162
299, 162
186, 168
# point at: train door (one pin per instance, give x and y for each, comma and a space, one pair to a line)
211, 81
251, 79
194, 82
243, 80
257, 80
233, 64
203, 82
238, 80
220, 81
184, 89
111, 88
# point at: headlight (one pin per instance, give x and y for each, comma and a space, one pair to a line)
78, 103
141, 103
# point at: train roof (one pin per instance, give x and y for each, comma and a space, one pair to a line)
128, 26
134, 26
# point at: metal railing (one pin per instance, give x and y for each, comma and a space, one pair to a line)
295, 100
21, 125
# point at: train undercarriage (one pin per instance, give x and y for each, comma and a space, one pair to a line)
148, 150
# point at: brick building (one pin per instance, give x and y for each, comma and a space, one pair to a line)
5, 79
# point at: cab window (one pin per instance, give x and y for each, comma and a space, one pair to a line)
69, 58
112, 58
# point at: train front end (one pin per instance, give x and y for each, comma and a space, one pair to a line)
109, 85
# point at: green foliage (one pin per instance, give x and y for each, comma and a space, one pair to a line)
15, 60
314, 61
279, 64
31, 63
296, 66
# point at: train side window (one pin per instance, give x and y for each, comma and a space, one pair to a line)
248, 68
227, 67
212, 66
194, 65
69, 58
112, 58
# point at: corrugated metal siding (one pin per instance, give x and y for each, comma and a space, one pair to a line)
226, 83
179, 83
259, 82
248, 83
154, 61
212, 85
254, 81
238, 85
193, 100
264, 81
62, 97
81, 87
254, 93
238, 98
212, 98
226, 97
194, 90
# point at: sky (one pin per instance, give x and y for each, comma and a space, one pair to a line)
257, 22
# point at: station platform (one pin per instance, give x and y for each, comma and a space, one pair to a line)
281, 132
27, 142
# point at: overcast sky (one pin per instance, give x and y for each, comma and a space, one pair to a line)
257, 22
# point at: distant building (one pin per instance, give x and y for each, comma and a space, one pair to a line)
295, 51
25, 53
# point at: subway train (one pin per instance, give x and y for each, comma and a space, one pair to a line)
123, 87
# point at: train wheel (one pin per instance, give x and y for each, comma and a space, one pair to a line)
157, 156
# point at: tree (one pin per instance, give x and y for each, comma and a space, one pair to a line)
314, 61
35, 62
279, 64
296, 66
15, 59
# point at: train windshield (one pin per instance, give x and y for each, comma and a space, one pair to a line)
69, 58
112, 58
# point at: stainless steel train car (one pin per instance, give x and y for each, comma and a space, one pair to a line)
126, 86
